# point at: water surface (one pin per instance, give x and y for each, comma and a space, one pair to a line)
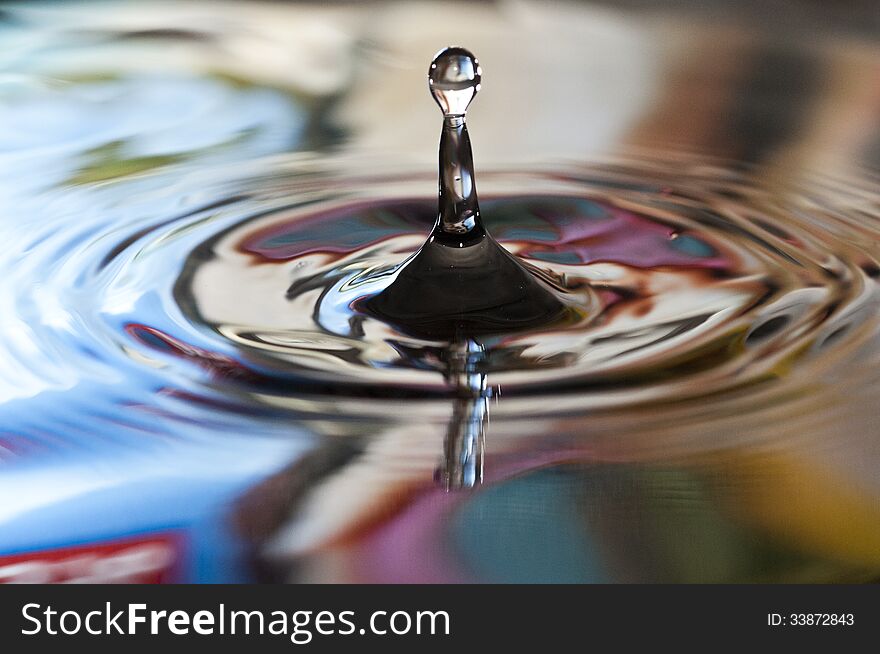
196, 209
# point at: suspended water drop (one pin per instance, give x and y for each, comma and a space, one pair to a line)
454, 79
462, 283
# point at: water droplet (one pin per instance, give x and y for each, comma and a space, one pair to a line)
454, 79
462, 282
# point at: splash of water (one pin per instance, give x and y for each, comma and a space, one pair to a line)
461, 283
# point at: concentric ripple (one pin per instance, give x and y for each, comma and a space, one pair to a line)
220, 309
687, 286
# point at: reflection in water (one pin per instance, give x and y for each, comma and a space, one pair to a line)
201, 211
466, 437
